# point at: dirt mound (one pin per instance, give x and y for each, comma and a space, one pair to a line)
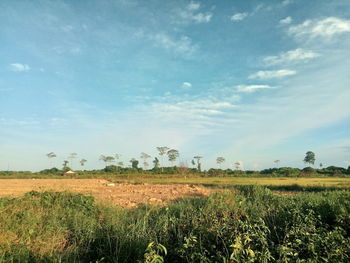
125, 195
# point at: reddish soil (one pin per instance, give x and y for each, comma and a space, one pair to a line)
125, 195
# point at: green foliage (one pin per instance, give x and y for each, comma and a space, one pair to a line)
53, 171
310, 158
252, 225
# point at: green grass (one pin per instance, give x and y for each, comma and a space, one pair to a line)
252, 225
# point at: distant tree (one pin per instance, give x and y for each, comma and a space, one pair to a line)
162, 151
145, 156
198, 158
120, 164
276, 162
193, 162
321, 165
156, 163
116, 158
134, 163
237, 165
50, 156
72, 156
107, 159
173, 155
65, 166
220, 160
309, 158
82, 162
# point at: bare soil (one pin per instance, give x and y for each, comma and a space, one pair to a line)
125, 195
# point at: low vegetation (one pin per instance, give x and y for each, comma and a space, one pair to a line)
250, 224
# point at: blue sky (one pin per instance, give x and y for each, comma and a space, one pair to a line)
253, 81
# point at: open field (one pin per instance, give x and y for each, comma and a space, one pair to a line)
250, 225
233, 181
125, 195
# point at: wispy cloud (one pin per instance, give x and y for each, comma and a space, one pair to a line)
18, 67
291, 56
191, 14
252, 88
325, 28
186, 85
183, 45
286, 21
238, 16
272, 74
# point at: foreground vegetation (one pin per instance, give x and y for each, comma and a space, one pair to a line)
251, 225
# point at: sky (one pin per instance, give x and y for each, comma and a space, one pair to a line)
252, 81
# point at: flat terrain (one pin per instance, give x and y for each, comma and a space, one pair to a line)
232, 181
126, 195
130, 192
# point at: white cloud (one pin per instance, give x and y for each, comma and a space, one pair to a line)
193, 6
191, 14
186, 85
325, 28
17, 67
239, 16
252, 88
291, 56
272, 74
202, 18
183, 45
286, 20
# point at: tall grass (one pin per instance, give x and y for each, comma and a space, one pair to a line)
254, 225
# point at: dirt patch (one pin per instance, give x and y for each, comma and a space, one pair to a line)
125, 195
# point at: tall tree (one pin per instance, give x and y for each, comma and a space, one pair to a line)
65, 166
134, 163
71, 157
173, 155
51, 155
198, 158
107, 159
156, 163
162, 151
82, 162
237, 165
309, 158
220, 160
145, 156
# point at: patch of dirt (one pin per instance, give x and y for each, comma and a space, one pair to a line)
125, 195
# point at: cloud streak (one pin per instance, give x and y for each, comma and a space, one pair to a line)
325, 28
238, 17
291, 57
252, 88
272, 74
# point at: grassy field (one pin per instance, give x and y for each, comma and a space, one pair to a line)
233, 181
251, 225
339, 182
